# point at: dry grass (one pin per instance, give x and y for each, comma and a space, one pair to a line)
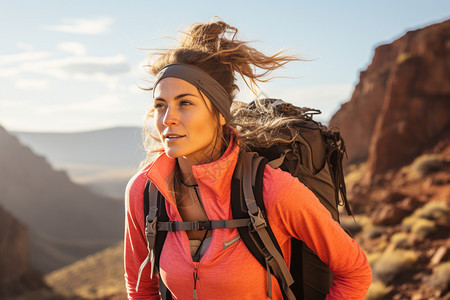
373, 257
440, 279
392, 263
97, 276
424, 165
354, 175
433, 211
399, 240
422, 221
376, 291
423, 227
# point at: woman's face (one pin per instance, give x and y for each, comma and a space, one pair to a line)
185, 122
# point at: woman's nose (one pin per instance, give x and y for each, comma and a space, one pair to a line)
171, 117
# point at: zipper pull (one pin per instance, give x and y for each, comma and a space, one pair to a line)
195, 282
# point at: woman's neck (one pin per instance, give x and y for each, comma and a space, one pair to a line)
186, 164
186, 171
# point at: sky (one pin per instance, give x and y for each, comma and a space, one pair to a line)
68, 66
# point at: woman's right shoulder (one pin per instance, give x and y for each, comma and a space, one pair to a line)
136, 185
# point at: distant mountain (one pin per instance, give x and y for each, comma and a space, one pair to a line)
104, 160
65, 220
17, 276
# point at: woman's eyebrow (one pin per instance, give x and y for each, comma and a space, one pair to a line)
178, 97
184, 95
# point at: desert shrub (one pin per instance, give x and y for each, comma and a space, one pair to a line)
354, 174
424, 165
373, 232
423, 227
433, 211
373, 257
440, 279
430, 211
392, 263
408, 222
399, 240
377, 290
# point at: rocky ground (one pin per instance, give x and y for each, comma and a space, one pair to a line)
403, 226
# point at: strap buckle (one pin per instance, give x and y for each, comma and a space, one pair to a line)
202, 225
151, 228
258, 221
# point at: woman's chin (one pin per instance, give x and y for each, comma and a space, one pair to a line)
172, 154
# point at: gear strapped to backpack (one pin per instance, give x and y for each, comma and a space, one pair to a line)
314, 156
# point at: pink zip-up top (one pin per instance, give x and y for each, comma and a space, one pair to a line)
228, 270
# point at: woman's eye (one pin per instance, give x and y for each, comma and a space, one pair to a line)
185, 102
157, 106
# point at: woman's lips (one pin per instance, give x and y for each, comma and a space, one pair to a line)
172, 137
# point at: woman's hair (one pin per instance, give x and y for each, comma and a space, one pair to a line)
260, 126
214, 48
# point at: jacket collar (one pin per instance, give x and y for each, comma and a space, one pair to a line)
214, 177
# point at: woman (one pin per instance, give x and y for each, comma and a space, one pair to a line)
192, 97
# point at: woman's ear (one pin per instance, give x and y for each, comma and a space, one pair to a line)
222, 120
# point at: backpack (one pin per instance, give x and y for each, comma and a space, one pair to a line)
314, 156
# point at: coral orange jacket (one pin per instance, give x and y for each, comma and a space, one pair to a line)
228, 270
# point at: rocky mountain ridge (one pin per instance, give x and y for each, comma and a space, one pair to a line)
397, 131
65, 221
16, 272
401, 101
103, 160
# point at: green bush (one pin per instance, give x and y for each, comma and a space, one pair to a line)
392, 263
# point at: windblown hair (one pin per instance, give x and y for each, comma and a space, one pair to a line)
260, 126
214, 48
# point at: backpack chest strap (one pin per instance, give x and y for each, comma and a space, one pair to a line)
202, 225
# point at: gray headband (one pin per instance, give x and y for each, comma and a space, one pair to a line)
203, 81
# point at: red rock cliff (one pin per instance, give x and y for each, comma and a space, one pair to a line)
402, 103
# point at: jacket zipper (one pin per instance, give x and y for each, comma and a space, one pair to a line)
196, 278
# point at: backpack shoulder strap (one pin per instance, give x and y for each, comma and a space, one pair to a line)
154, 212
259, 240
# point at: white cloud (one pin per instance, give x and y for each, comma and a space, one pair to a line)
9, 59
74, 48
102, 104
84, 26
24, 46
101, 69
24, 84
